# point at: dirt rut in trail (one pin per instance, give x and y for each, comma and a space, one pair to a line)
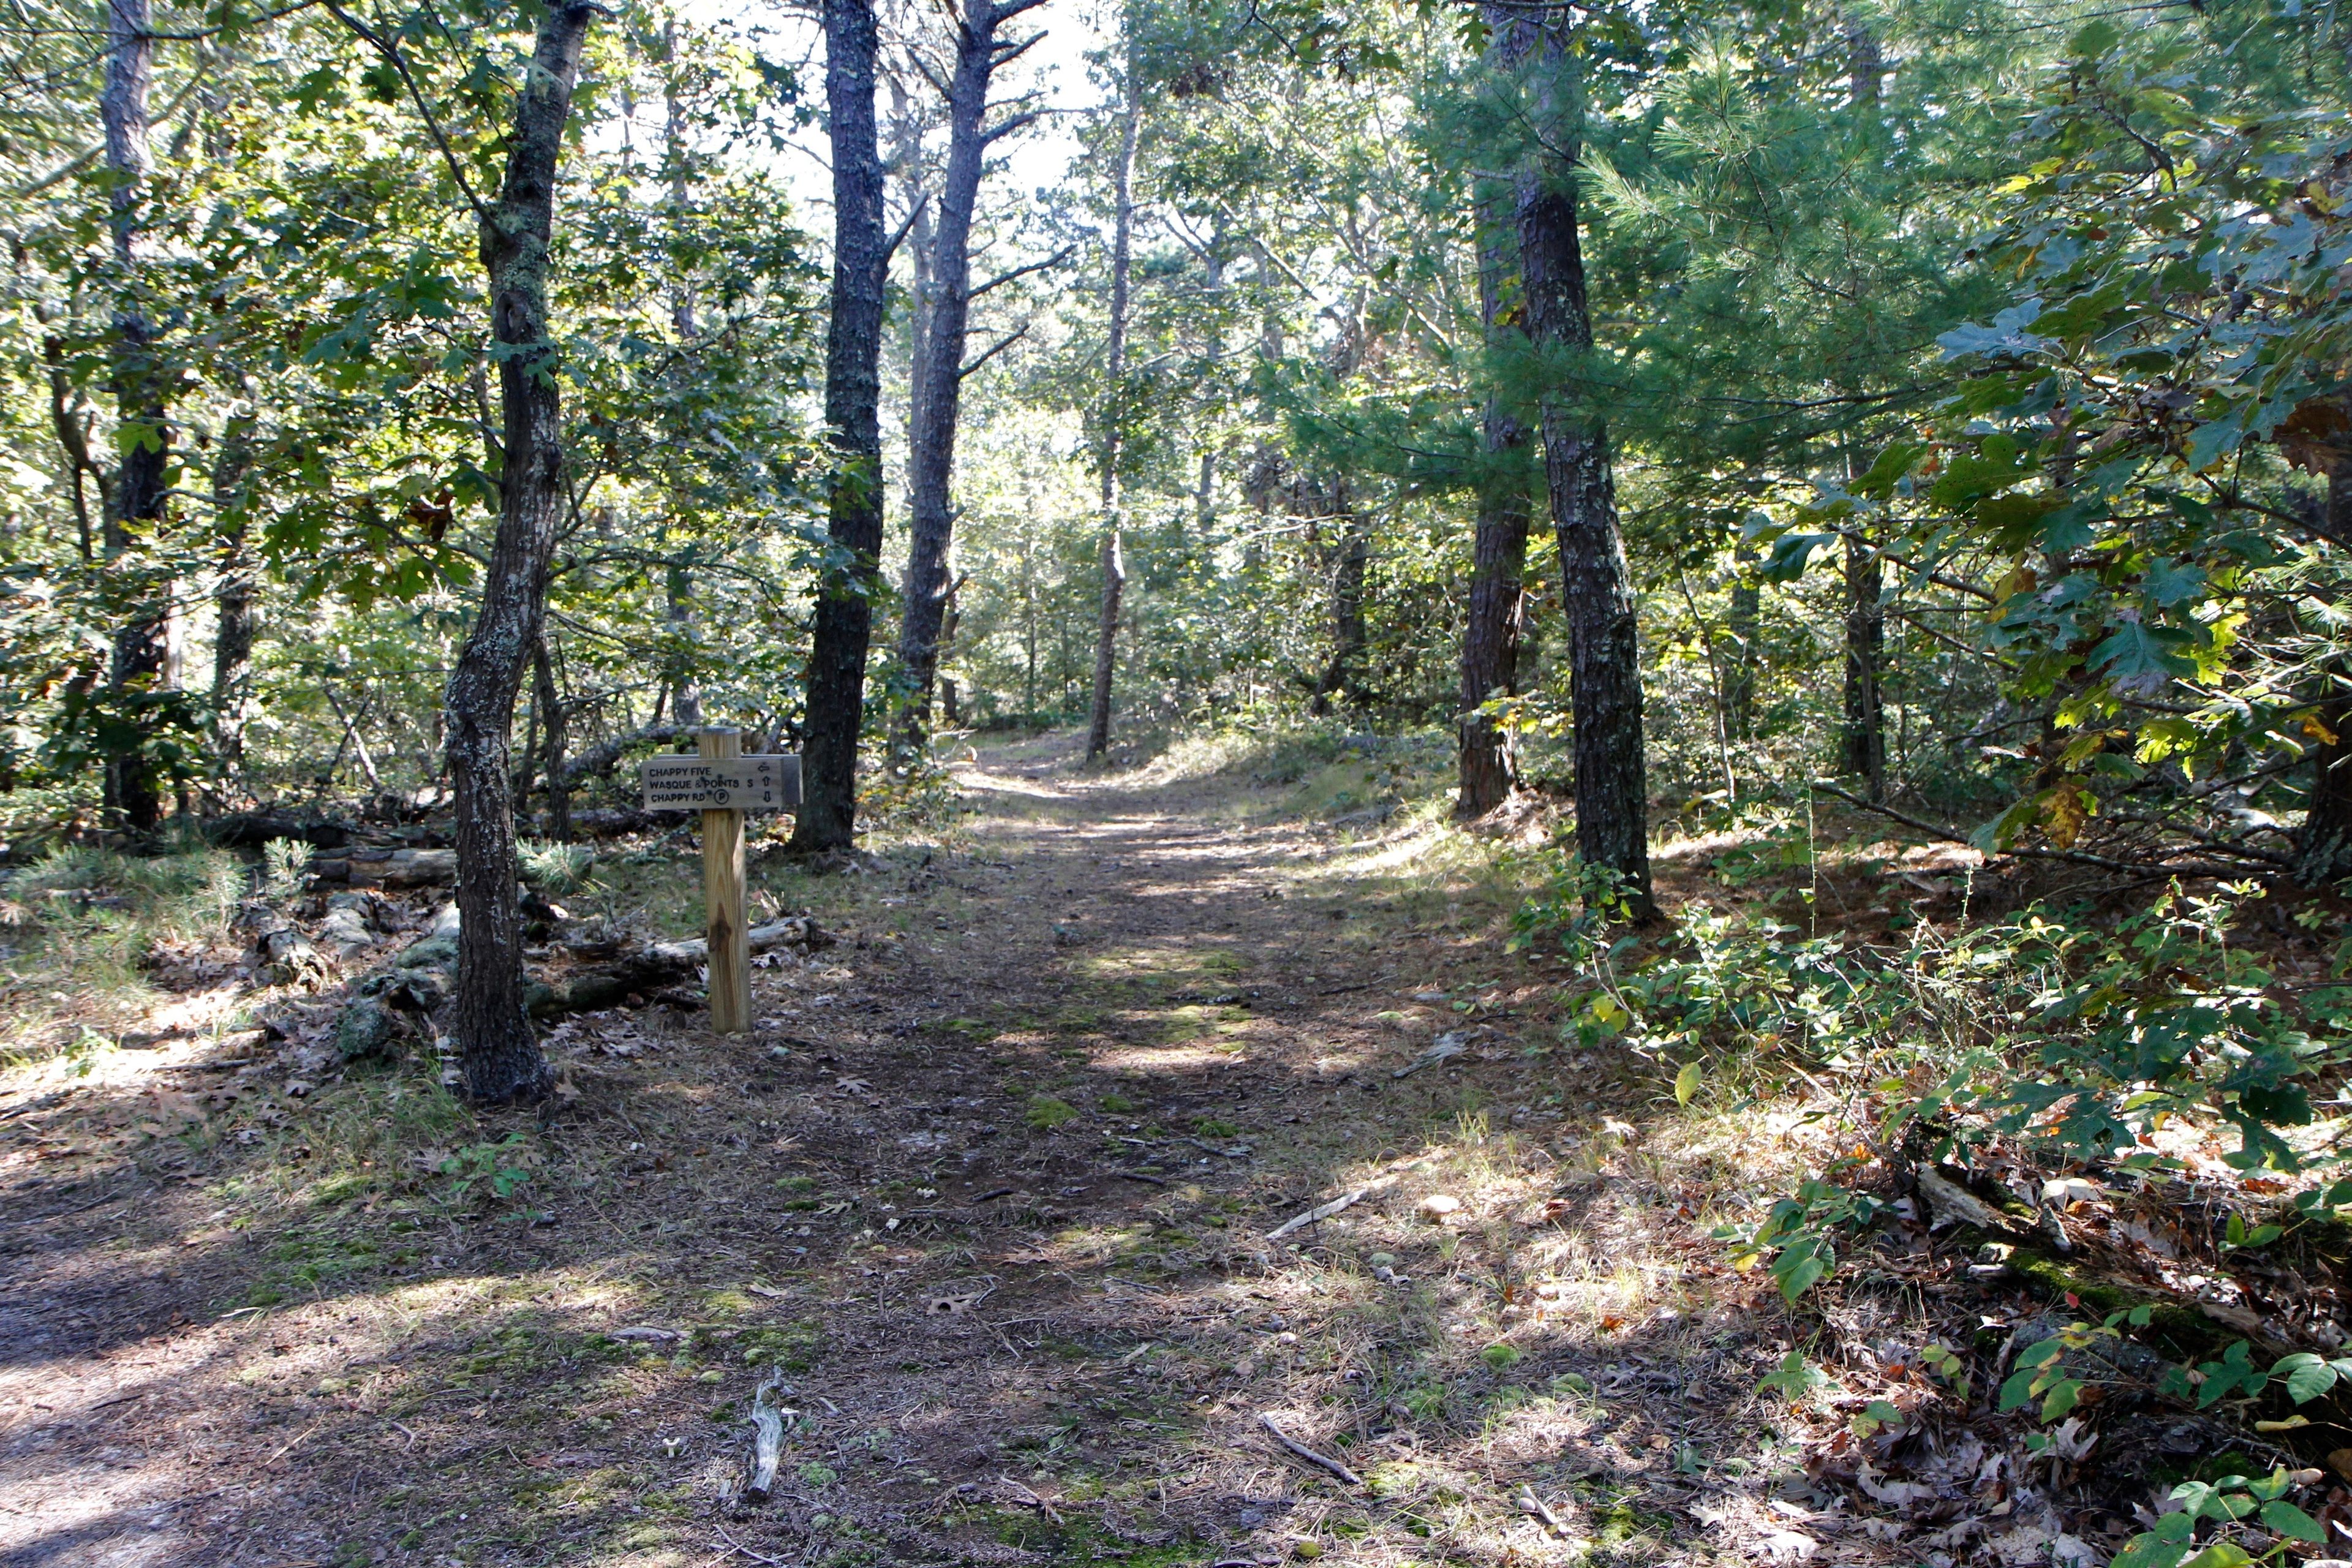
988, 1192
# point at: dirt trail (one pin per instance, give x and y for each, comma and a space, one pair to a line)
989, 1190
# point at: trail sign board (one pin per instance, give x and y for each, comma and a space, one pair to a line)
722, 784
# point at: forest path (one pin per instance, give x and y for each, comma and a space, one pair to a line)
990, 1190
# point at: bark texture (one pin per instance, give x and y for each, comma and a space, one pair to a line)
853, 394
553, 731
1114, 419
232, 595
1490, 636
2324, 845
140, 658
1604, 651
937, 398
1862, 741
1745, 625
1351, 560
498, 1053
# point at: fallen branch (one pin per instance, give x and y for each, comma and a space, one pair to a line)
603, 759
1530, 1503
1952, 1204
770, 1418
1301, 1451
2156, 867
1029, 1498
734, 1545
1319, 1213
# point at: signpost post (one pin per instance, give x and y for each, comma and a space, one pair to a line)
723, 783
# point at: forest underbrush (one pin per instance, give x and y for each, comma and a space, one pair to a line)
1109, 1118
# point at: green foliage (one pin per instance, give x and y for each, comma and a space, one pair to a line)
2073, 1040
1799, 1234
556, 869
285, 868
1795, 1379
500, 1167
1045, 1113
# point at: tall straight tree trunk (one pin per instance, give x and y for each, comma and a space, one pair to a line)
684, 686
1597, 589
141, 650
552, 725
684, 691
852, 397
1862, 741
914, 180
1490, 639
498, 1053
1114, 414
937, 399
1745, 623
233, 596
1343, 676
2323, 845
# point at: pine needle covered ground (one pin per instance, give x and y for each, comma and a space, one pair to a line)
990, 1195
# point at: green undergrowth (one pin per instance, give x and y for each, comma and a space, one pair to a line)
83, 926
2182, 1057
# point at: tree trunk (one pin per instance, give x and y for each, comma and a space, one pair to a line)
1343, 676
498, 1053
852, 396
552, 725
1490, 639
1604, 650
684, 686
907, 163
1114, 416
1862, 741
937, 399
1746, 622
232, 597
134, 515
2324, 845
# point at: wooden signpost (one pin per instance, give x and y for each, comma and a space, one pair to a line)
723, 783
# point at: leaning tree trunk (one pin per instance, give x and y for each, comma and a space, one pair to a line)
1862, 748
141, 650
498, 1053
853, 396
1604, 650
1114, 417
1490, 637
936, 401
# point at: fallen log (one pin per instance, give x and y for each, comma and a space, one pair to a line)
252, 829
655, 966
388, 868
